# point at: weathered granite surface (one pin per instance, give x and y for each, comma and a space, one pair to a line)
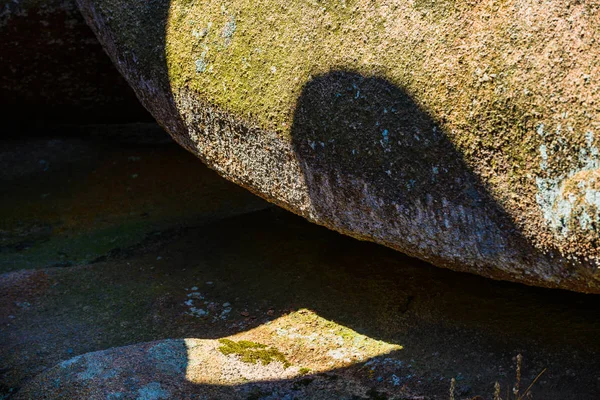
462, 133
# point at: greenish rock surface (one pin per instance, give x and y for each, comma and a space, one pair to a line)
52, 68
462, 133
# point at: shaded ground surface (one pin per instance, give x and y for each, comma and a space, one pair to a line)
111, 243
68, 201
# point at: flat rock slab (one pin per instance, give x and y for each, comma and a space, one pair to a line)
194, 368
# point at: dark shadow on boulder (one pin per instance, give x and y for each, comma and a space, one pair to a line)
376, 164
379, 167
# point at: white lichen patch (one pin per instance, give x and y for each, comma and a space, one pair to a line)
153, 391
394, 371
570, 202
343, 354
200, 63
199, 307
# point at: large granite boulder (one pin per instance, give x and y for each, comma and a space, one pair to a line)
462, 133
52, 68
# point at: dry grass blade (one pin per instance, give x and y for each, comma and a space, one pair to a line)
518, 378
531, 385
497, 392
452, 387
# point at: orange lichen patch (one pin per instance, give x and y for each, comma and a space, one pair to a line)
582, 182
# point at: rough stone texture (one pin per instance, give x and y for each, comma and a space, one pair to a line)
109, 243
462, 133
52, 68
197, 368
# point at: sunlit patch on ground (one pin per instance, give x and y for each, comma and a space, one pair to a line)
310, 343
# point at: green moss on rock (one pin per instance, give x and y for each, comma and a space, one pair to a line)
252, 353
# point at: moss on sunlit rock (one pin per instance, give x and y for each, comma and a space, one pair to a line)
252, 353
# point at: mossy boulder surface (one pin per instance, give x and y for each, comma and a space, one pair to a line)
463, 133
52, 68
